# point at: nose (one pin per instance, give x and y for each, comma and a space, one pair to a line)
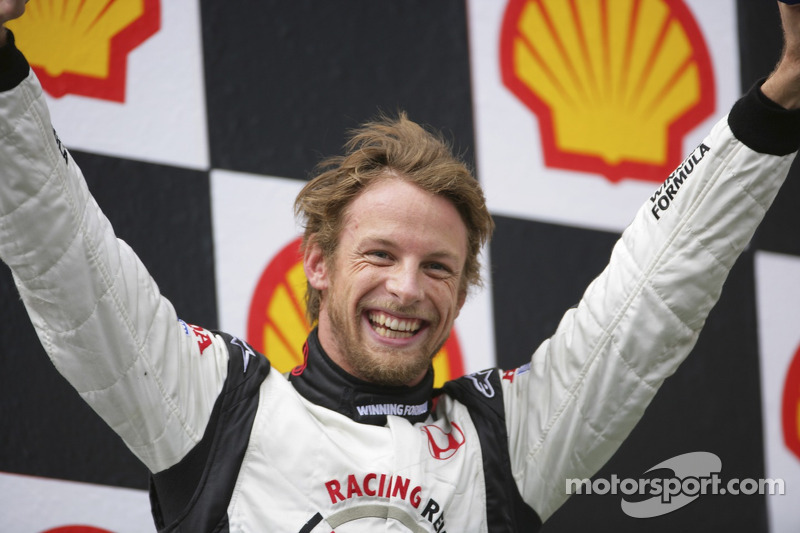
405, 284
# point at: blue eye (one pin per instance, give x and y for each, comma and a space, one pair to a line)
379, 254
439, 268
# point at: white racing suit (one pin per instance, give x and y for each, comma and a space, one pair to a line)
234, 446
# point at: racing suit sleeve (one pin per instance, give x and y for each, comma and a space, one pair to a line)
589, 384
97, 311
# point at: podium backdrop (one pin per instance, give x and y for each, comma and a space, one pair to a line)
196, 123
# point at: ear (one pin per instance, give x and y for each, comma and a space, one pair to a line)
315, 266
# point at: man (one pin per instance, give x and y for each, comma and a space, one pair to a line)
392, 233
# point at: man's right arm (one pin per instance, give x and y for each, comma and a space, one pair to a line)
97, 311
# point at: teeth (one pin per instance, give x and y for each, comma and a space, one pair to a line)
391, 334
392, 327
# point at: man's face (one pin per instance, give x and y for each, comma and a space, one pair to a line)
392, 290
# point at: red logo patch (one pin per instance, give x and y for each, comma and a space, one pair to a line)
448, 448
202, 336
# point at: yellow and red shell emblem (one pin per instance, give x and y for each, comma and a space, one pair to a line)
277, 324
791, 406
615, 84
82, 46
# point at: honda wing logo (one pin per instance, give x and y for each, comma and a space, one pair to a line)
441, 444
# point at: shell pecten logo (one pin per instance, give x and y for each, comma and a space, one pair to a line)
615, 84
277, 325
791, 406
81, 46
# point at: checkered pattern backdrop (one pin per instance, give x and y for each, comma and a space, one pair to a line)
222, 110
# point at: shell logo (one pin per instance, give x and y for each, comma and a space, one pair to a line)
81, 46
791, 406
277, 325
615, 84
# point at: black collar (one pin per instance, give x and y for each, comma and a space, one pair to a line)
324, 383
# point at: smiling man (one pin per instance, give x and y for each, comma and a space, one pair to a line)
393, 287
356, 438
392, 235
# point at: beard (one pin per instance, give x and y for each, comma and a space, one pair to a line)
384, 365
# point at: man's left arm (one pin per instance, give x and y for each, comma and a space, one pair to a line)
589, 384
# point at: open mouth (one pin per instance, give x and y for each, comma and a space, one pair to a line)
392, 327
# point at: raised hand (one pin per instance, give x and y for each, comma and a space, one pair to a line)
783, 85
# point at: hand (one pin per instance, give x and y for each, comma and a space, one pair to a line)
9, 10
783, 85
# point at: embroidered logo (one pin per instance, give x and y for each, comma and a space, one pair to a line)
482, 383
247, 352
450, 442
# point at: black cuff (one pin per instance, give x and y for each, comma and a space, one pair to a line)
13, 65
763, 125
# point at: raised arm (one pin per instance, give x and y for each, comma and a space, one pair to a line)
589, 385
97, 311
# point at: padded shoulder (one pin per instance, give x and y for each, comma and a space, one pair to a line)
183, 497
482, 394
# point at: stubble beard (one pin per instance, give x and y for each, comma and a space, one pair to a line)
387, 369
